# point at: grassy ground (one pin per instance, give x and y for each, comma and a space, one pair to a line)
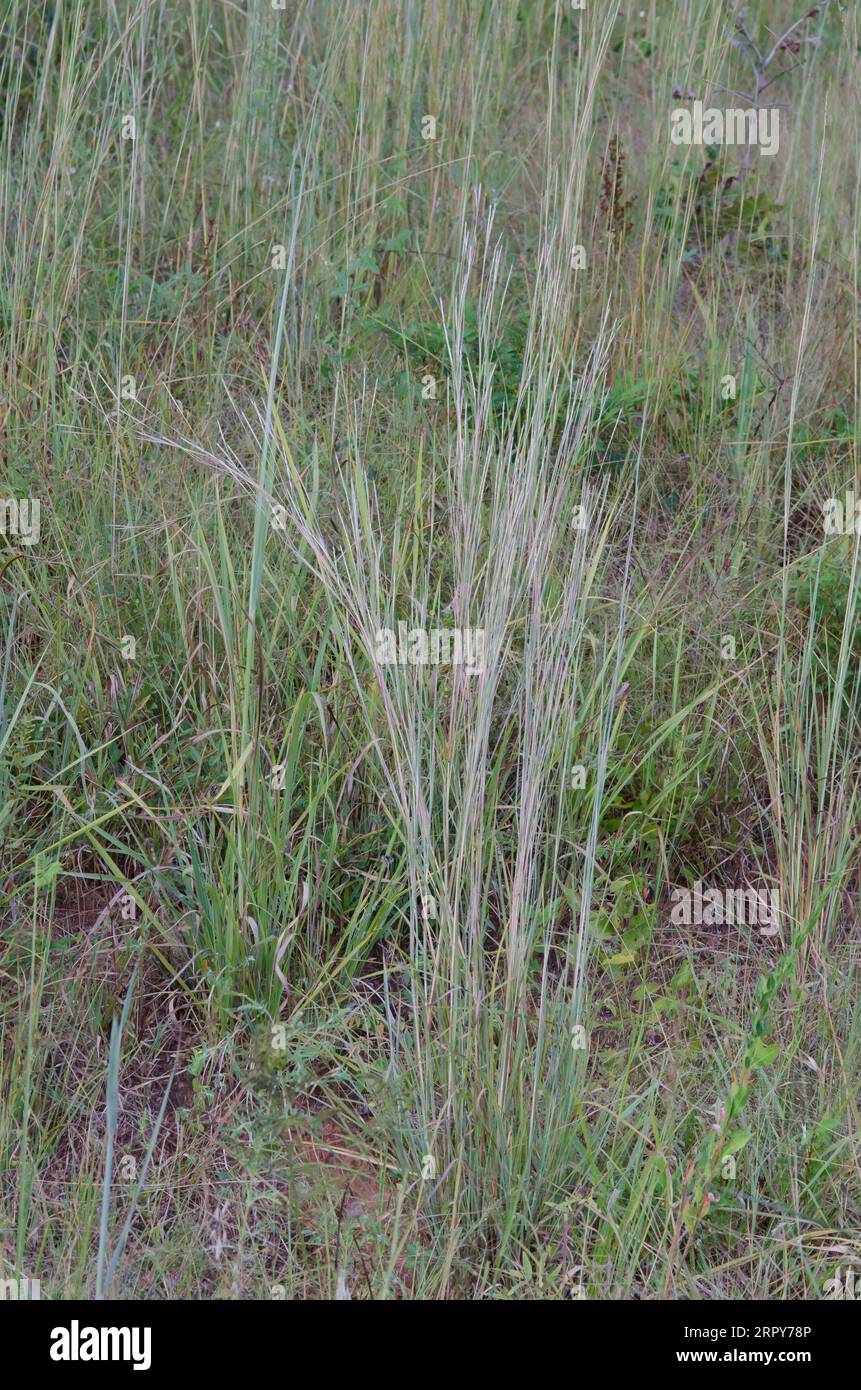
323, 975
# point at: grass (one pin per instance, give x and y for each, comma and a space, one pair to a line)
322, 975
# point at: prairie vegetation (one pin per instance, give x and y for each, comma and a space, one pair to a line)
322, 973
